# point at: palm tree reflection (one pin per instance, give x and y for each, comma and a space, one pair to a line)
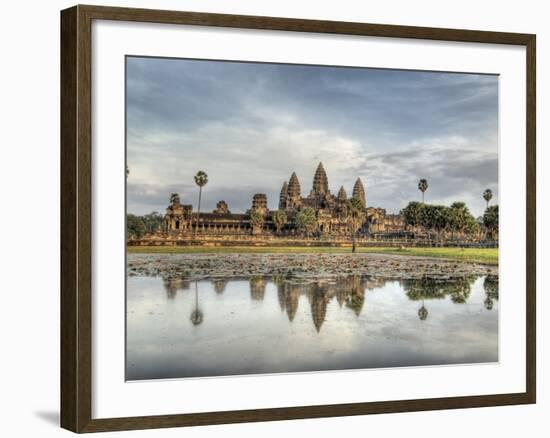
428, 288
196, 315
423, 312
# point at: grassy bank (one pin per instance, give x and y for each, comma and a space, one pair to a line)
474, 255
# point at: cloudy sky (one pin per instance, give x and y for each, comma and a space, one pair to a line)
250, 125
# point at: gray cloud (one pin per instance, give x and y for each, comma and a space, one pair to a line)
453, 175
250, 125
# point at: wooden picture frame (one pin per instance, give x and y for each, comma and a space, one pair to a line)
76, 217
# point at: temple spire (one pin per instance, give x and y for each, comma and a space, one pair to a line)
283, 196
359, 192
294, 187
342, 195
320, 180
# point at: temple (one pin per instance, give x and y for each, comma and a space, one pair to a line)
348, 291
331, 215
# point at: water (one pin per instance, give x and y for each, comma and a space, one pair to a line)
177, 328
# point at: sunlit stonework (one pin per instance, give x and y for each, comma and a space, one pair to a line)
330, 214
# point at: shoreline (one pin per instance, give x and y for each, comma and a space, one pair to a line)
301, 266
485, 256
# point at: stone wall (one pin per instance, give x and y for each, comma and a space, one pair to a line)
161, 239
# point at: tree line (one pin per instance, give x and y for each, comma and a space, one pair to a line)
138, 226
455, 219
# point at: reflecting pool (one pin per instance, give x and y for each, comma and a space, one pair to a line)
180, 328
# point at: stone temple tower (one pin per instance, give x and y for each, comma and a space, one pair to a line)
320, 181
294, 191
259, 203
342, 195
283, 198
359, 192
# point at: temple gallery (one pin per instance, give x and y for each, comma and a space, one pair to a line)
318, 214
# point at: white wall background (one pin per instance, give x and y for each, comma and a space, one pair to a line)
29, 219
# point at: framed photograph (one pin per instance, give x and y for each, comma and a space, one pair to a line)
271, 218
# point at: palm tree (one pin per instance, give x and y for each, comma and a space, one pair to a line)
279, 219
423, 186
488, 195
434, 218
256, 222
356, 218
201, 178
174, 198
306, 220
490, 220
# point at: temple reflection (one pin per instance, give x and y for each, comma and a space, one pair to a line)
318, 295
349, 292
355, 286
257, 288
288, 295
172, 286
219, 286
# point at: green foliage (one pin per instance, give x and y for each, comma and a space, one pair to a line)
423, 186
279, 219
256, 219
174, 198
138, 226
460, 218
412, 213
472, 226
490, 284
306, 220
488, 195
153, 222
434, 217
201, 178
356, 213
135, 226
423, 289
456, 218
460, 290
490, 220
431, 288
